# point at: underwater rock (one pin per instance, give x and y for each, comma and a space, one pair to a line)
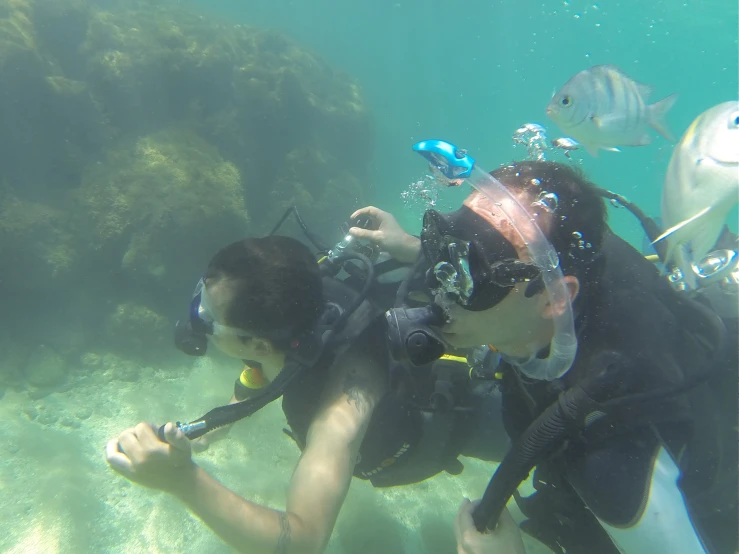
90, 359
133, 328
45, 368
145, 208
51, 126
37, 250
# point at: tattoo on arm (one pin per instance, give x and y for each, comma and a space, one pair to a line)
355, 388
283, 543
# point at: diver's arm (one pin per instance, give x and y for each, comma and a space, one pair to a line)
318, 486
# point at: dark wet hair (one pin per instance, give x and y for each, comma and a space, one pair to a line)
276, 283
579, 222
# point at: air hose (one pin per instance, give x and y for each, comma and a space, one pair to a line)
650, 226
541, 438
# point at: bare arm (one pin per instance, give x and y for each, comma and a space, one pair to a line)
320, 481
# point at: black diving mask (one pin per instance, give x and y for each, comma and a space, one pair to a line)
474, 265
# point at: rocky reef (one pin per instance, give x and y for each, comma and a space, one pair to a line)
139, 136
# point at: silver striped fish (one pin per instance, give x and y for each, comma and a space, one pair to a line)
602, 107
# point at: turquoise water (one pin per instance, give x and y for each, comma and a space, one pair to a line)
473, 72
128, 155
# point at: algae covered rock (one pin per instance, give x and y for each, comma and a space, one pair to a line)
35, 245
150, 62
155, 200
133, 328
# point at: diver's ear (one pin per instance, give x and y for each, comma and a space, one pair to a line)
262, 347
572, 284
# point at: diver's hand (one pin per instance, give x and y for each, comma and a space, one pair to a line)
506, 539
200, 444
141, 457
388, 235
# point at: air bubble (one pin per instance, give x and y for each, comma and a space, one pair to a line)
547, 200
535, 182
577, 234
534, 137
588, 245
422, 194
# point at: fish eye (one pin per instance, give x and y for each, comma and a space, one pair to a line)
734, 120
565, 101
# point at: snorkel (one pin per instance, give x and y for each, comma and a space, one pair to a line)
453, 166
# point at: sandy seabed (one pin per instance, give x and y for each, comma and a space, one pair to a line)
57, 494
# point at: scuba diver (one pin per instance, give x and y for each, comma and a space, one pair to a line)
616, 386
313, 333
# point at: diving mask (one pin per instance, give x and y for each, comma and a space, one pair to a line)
191, 335
453, 165
474, 265
201, 316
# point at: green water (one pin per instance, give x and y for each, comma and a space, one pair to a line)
473, 72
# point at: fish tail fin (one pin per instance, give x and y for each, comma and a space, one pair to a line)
657, 113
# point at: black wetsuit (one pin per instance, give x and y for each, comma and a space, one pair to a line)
631, 322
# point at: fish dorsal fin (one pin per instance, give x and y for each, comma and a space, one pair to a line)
609, 67
682, 224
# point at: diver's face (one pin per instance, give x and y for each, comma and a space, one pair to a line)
509, 326
258, 349
220, 295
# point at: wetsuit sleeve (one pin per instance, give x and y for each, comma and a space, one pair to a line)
631, 486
